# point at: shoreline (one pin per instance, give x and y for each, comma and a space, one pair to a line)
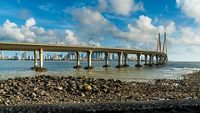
47, 90
159, 106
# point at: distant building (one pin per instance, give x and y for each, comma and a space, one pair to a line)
71, 56
24, 56
48, 57
29, 58
93, 56
16, 57
55, 57
97, 55
82, 56
113, 56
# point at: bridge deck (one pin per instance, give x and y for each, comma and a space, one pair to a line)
66, 48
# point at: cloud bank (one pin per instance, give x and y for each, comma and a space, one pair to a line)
93, 26
120, 7
29, 32
189, 36
190, 8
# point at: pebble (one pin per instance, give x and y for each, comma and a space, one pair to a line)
43, 93
1, 91
59, 88
87, 87
54, 89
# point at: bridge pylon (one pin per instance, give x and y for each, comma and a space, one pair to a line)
158, 43
164, 49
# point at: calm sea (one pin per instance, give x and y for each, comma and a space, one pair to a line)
172, 70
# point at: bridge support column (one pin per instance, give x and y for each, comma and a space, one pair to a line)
41, 68
138, 61
161, 60
89, 59
41, 58
165, 60
125, 60
119, 60
157, 60
35, 60
145, 59
106, 60
78, 66
150, 60
153, 62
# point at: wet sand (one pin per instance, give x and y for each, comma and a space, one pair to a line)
45, 90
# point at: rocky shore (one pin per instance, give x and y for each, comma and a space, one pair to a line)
46, 89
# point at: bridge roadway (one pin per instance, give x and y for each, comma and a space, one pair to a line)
161, 57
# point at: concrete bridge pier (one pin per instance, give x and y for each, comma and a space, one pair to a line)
125, 60
150, 60
145, 59
119, 60
153, 59
35, 61
138, 61
157, 60
41, 68
106, 60
89, 59
78, 66
165, 60
161, 60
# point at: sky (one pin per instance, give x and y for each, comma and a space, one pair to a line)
106, 23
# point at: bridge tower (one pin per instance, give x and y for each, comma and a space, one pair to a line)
164, 49
161, 48
164, 46
158, 43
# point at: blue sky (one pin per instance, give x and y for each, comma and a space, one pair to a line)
110, 23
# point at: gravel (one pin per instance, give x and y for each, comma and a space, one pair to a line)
45, 89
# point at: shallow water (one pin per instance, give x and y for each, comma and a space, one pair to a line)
172, 70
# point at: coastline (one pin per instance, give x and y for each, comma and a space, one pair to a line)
54, 90
156, 106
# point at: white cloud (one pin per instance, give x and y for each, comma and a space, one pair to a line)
90, 18
144, 22
48, 7
29, 32
141, 30
171, 27
121, 7
193, 49
70, 38
30, 22
190, 8
144, 31
11, 30
188, 36
91, 25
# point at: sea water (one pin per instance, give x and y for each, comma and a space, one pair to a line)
171, 70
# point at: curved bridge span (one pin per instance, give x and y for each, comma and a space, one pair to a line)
161, 57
